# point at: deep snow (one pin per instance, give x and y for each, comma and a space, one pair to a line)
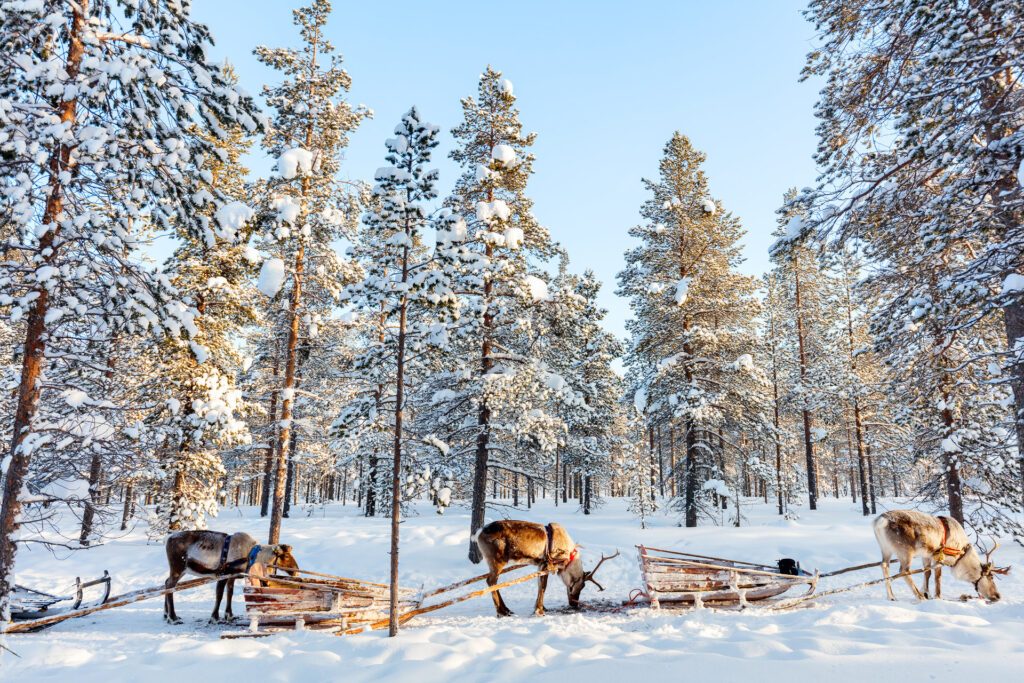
858, 636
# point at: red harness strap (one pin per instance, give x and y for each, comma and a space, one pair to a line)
947, 550
551, 536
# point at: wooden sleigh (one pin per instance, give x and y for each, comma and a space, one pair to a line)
677, 579
346, 606
29, 604
317, 601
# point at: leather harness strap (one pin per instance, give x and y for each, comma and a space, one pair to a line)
947, 551
224, 554
549, 529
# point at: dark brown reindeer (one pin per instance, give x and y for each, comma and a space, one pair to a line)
214, 553
516, 542
938, 541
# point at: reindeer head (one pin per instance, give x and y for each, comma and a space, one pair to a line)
283, 558
575, 577
274, 557
986, 582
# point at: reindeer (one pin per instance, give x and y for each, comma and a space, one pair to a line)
548, 547
938, 541
212, 552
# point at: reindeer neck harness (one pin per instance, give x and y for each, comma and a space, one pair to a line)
947, 554
548, 550
229, 567
223, 565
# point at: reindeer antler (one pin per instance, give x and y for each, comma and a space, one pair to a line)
589, 576
988, 553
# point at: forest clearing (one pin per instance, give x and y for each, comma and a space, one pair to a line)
707, 370
846, 637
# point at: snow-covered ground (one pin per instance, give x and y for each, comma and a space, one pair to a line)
856, 636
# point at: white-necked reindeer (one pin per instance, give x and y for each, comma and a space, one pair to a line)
939, 542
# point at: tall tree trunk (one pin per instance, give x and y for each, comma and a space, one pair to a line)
129, 504
691, 474
812, 470
396, 472
33, 356
478, 509
558, 464
268, 462
871, 479
288, 394
89, 514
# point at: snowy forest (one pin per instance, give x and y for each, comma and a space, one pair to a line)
324, 335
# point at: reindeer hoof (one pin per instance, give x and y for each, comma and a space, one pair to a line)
506, 613
538, 612
176, 621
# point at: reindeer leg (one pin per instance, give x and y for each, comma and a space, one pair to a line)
905, 566
927, 576
499, 603
938, 581
885, 574
169, 614
229, 615
215, 617
542, 585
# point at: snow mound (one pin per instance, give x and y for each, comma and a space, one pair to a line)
233, 216
293, 162
682, 292
504, 155
537, 288
288, 208
271, 277
498, 209
1014, 282
505, 87
513, 237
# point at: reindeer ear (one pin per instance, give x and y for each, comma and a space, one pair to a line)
285, 548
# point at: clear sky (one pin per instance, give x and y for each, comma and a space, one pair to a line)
604, 84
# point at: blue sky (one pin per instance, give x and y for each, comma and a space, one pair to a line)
604, 84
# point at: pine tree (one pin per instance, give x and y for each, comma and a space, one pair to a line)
307, 208
213, 275
135, 96
580, 353
920, 115
413, 292
493, 372
692, 332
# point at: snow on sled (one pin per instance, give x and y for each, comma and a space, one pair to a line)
677, 579
29, 603
316, 601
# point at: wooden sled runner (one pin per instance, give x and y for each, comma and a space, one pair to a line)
678, 579
29, 603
